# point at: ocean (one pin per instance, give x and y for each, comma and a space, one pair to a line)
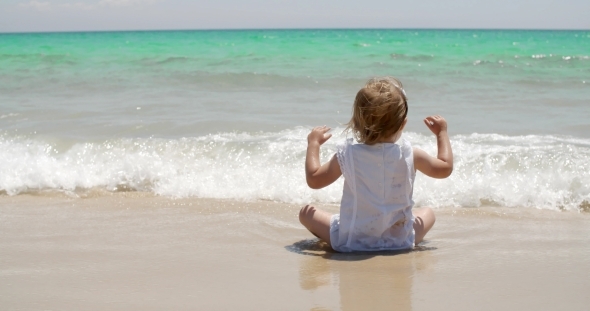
225, 114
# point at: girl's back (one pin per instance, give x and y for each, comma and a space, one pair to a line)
376, 206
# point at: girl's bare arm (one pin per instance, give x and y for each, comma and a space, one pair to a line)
318, 176
442, 165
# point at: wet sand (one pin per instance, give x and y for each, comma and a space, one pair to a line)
131, 251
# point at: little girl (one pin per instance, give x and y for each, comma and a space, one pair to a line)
379, 172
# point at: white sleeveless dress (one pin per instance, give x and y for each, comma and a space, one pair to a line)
376, 207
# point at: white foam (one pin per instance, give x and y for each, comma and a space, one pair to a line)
534, 171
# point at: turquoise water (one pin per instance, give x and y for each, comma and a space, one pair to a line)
159, 111
542, 77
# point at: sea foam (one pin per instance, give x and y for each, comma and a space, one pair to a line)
546, 172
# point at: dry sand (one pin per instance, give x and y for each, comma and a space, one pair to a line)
131, 251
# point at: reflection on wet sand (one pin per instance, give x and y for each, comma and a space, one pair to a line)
388, 275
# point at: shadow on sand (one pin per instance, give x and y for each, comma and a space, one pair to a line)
319, 248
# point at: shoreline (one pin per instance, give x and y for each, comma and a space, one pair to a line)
125, 252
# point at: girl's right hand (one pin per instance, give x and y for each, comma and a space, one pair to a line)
318, 135
442, 165
436, 124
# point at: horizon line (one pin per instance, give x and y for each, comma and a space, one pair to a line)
288, 29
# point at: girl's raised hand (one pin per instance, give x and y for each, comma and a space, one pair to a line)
318, 135
436, 124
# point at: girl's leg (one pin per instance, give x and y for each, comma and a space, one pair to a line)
423, 221
316, 221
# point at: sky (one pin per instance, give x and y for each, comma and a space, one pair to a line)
98, 15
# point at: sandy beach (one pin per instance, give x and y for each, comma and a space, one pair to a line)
136, 251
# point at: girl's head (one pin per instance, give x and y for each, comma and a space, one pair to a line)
379, 111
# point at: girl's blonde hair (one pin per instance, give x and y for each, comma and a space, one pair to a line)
379, 110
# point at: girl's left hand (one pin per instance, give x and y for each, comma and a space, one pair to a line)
319, 135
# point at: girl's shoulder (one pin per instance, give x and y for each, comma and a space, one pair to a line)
348, 142
342, 149
404, 143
